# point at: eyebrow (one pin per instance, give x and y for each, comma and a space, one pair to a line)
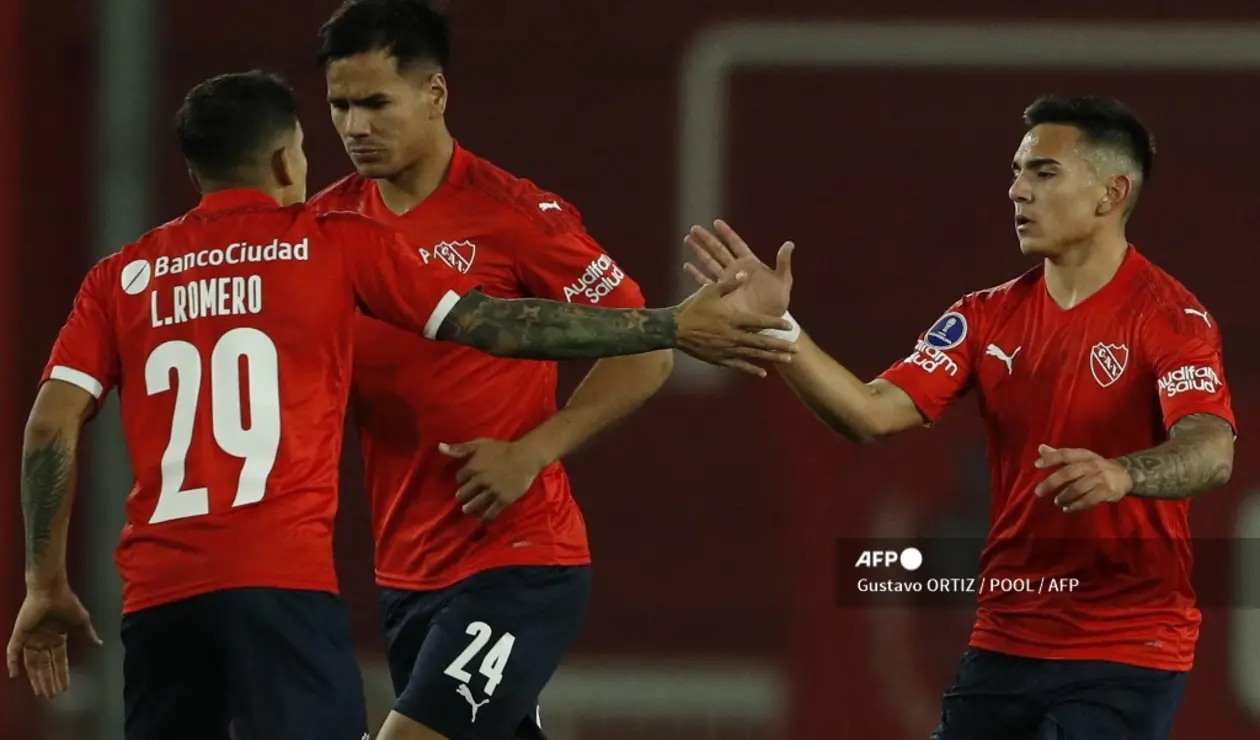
1036, 164
375, 99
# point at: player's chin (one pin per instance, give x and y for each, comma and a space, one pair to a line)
1033, 247
375, 167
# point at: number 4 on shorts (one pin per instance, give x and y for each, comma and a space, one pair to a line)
492, 665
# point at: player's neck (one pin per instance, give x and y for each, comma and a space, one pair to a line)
1083, 271
414, 185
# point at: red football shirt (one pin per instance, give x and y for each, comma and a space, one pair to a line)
514, 240
227, 333
1110, 375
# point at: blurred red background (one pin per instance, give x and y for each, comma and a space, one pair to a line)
712, 514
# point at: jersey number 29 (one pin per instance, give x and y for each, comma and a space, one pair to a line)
257, 446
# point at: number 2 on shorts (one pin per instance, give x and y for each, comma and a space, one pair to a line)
492, 665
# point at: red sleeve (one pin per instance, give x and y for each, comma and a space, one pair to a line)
571, 266
86, 352
392, 282
938, 371
1184, 351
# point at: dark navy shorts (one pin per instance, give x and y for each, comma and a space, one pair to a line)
1004, 697
272, 664
469, 661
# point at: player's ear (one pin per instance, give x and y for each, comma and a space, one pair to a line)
282, 167
196, 181
440, 94
1116, 193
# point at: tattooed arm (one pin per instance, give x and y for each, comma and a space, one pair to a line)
704, 326
49, 457
534, 328
1198, 456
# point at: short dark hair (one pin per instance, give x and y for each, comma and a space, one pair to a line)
227, 122
1102, 122
411, 31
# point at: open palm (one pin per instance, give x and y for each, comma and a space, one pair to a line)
724, 253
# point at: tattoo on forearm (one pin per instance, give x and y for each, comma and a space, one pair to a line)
535, 329
1197, 458
45, 484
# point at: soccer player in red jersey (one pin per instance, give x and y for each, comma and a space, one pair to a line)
481, 551
227, 333
1106, 410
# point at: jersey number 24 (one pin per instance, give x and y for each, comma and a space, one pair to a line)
257, 446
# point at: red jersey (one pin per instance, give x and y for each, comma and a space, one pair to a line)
227, 333
514, 240
1110, 375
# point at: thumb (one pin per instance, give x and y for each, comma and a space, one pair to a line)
783, 262
11, 656
464, 449
90, 629
1042, 452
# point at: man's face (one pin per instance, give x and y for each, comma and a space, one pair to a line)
1059, 198
386, 120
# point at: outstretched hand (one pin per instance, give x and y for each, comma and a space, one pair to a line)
41, 637
714, 328
724, 254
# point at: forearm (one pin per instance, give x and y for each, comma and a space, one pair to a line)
611, 391
531, 328
858, 411
1198, 457
48, 480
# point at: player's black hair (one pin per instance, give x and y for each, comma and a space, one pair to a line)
411, 31
228, 122
1102, 122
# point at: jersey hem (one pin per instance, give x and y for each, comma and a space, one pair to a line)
1115, 654
404, 583
162, 598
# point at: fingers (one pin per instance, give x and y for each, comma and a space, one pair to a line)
711, 264
726, 286
1088, 500
39, 669
712, 247
1075, 491
1059, 479
766, 343
1050, 456
761, 355
480, 504
469, 490
701, 278
61, 668
759, 322
495, 509
732, 240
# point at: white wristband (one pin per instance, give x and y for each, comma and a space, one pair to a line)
790, 335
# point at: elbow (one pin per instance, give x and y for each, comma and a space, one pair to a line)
41, 429
1225, 462
869, 431
861, 431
